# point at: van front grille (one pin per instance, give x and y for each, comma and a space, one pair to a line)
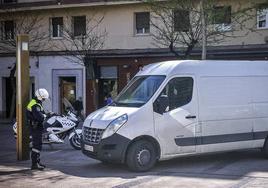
92, 135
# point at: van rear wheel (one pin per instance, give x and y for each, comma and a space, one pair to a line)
141, 156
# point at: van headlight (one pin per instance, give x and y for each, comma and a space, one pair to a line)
114, 126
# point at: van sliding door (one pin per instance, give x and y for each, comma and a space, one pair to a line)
225, 113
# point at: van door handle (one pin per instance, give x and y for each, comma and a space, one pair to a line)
190, 117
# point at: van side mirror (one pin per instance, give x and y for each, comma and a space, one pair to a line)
161, 104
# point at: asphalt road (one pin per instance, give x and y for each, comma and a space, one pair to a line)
70, 168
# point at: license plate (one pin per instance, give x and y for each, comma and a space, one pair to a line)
89, 148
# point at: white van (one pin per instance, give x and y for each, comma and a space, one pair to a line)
179, 108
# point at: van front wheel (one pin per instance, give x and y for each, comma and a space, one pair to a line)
141, 156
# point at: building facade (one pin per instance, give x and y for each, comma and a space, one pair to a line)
128, 44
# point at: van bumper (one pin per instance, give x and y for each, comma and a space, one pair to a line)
111, 149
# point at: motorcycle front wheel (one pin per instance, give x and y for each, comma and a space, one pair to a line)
75, 142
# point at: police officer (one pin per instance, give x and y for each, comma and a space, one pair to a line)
36, 116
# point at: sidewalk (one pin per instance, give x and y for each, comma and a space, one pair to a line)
66, 167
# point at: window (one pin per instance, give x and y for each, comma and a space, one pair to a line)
262, 17
221, 18
178, 91
139, 91
142, 22
221, 15
8, 30
57, 27
181, 20
79, 25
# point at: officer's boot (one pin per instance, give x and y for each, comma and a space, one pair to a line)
38, 161
35, 164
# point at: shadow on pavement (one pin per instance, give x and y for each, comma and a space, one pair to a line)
209, 166
62, 158
23, 171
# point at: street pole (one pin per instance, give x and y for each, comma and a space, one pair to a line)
23, 79
204, 34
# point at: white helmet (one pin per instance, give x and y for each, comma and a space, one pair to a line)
41, 94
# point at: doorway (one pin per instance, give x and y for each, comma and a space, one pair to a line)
67, 93
62, 80
107, 84
7, 94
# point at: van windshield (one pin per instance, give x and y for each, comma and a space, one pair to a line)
138, 91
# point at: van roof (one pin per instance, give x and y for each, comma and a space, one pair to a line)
207, 68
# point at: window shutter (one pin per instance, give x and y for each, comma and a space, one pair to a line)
142, 20
9, 29
221, 15
57, 21
181, 20
79, 25
227, 14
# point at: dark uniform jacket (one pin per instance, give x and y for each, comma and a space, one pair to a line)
35, 111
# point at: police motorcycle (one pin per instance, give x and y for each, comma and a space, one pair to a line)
58, 127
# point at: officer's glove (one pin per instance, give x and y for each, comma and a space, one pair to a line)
48, 115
